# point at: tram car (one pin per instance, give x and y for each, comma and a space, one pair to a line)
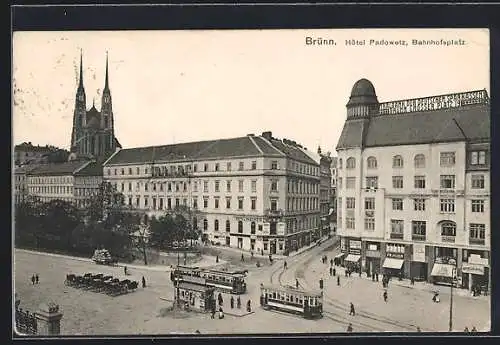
232, 282
308, 304
181, 271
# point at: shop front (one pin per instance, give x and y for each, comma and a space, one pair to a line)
372, 258
353, 258
444, 271
475, 274
394, 260
418, 265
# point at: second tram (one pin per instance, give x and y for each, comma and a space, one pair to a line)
232, 282
308, 304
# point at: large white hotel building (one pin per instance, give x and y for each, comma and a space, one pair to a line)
413, 186
257, 193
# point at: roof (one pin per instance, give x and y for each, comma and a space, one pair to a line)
66, 168
92, 169
24, 169
362, 92
422, 127
30, 147
250, 146
292, 289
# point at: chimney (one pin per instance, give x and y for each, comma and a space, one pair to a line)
268, 135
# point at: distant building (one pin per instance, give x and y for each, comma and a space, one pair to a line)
257, 193
93, 134
75, 182
27, 153
20, 185
414, 186
333, 193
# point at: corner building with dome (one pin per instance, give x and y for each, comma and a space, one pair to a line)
413, 187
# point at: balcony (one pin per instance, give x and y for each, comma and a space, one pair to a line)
416, 237
477, 241
274, 213
447, 239
396, 236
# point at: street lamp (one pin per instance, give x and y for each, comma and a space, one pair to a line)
453, 279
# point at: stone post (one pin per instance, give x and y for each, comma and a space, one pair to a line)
48, 319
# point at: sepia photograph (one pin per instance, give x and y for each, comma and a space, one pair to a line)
249, 182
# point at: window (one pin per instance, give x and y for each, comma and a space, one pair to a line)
397, 182
477, 181
369, 203
370, 224
228, 185
252, 227
184, 186
371, 162
217, 184
340, 163
350, 223
195, 203
205, 202
418, 230
274, 205
241, 166
478, 158
350, 182
129, 187
274, 185
177, 202
169, 203
254, 165
216, 225
397, 161
350, 163
447, 159
240, 203
176, 186
195, 167
477, 231
123, 171
419, 161
205, 186
397, 204
397, 226
205, 224
419, 204
130, 171
372, 182
448, 229
339, 183
216, 166
274, 165
477, 206
447, 205
350, 203
240, 186
228, 226
240, 226
216, 202
447, 181
253, 203
228, 202
419, 182
146, 201
205, 167
254, 186
228, 166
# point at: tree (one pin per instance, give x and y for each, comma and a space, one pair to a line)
189, 224
106, 201
162, 230
59, 219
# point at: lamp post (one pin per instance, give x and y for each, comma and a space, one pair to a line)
453, 278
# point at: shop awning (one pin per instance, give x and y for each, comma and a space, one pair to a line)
393, 263
442, 270
338, 256
353, 258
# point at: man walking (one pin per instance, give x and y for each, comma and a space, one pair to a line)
220, 299
334, 271
232, 302
352, 311
36, 279
33, 279
385, 296
338, 280
143, 282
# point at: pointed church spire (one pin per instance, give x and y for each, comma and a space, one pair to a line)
80, 85
106, 83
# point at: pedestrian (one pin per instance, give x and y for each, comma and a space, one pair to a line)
360, 272
249, 308
242, 257
373, 276
418, 329
350, 272
284, 265
466, 330
262, 252
232, 302
334, 271
238, 302
385, 296
346, 272
412, 281
338, 280
376, 276
352, 311
473, 330
33, 279
221, 313
220, 299
217, 259
36, 279
143, 282
349, 328
331, 262
212, 315
297, 283
125, 270
251, 254
197, 331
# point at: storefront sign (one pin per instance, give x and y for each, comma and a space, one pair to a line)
477, 260
395, 248
395, 255
373, 247
473, 269
418, 252
372, 254
250, 219
354, 244
342, 244
281, 228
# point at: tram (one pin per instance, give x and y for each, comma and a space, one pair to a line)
180, 271
308, 304
232, 282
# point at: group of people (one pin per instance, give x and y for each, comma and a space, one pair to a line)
220, 301
125, 272
35, 279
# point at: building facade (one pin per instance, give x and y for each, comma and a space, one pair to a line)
20, 183
256, 193
93, 133
333, 194
413, 186
75, 181
27, 153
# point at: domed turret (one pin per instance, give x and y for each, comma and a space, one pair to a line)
363, 100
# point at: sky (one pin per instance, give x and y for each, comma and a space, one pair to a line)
180, 86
